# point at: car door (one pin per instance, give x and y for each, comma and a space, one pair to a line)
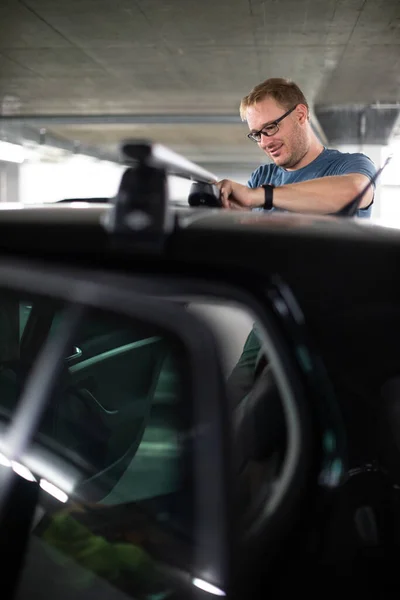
124, 471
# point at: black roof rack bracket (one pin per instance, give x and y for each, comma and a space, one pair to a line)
139, 214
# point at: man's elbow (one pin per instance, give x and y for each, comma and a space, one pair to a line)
359, 184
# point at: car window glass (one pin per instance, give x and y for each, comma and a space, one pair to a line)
117, 436
24, 312
111, 458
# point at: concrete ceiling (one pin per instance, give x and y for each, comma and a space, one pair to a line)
189, 57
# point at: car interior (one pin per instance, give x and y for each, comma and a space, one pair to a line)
98, 421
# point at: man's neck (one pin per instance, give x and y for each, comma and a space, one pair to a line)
312, 153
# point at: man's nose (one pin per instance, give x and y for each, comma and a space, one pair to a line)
263, 141
266, 140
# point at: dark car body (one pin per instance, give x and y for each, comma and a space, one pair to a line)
343, 274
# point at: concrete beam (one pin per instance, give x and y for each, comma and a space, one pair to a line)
122, 119
358, 124
20, 133
131, 119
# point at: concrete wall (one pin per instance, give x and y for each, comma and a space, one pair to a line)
390, 205
72, 178
9, 182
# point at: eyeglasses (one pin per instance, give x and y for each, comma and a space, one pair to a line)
270, 129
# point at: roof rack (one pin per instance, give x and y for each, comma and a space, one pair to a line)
102, 200
203, 191
134, 151
141, 203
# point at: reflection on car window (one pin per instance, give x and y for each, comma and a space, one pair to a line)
24, 312
115, 500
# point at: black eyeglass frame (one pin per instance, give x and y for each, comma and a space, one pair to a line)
261, 132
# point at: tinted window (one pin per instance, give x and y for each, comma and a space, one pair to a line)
24, 312
110, 456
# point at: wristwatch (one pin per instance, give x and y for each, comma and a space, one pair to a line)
269, 193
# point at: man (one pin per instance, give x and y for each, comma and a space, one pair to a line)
304, 176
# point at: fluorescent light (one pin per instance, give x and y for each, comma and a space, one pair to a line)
80, 205
12, 152
62, 478
53, 491
22, 471
207, 587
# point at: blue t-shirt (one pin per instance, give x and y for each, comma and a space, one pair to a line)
329, 162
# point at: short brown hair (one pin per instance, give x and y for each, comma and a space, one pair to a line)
283, 91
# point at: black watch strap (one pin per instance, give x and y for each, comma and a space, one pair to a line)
269, 196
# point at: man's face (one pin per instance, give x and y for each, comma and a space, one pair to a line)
290, 143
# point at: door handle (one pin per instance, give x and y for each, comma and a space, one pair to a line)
76, 353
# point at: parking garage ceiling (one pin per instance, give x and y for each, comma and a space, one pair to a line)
143, 60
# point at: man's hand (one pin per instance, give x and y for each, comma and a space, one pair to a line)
237, 196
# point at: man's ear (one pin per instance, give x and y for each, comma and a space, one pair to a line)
302, 113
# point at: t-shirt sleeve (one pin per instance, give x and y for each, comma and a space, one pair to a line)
263, 174
254, 179
356, 163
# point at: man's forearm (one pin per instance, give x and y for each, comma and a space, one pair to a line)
326, 195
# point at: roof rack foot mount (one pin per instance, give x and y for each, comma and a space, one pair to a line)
140, 208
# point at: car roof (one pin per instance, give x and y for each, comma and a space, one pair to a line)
343, 272
243, 223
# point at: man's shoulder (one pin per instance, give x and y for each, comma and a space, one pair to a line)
339, 153
334, 155
349, 162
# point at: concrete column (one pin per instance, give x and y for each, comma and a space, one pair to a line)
9, 182
374, 152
